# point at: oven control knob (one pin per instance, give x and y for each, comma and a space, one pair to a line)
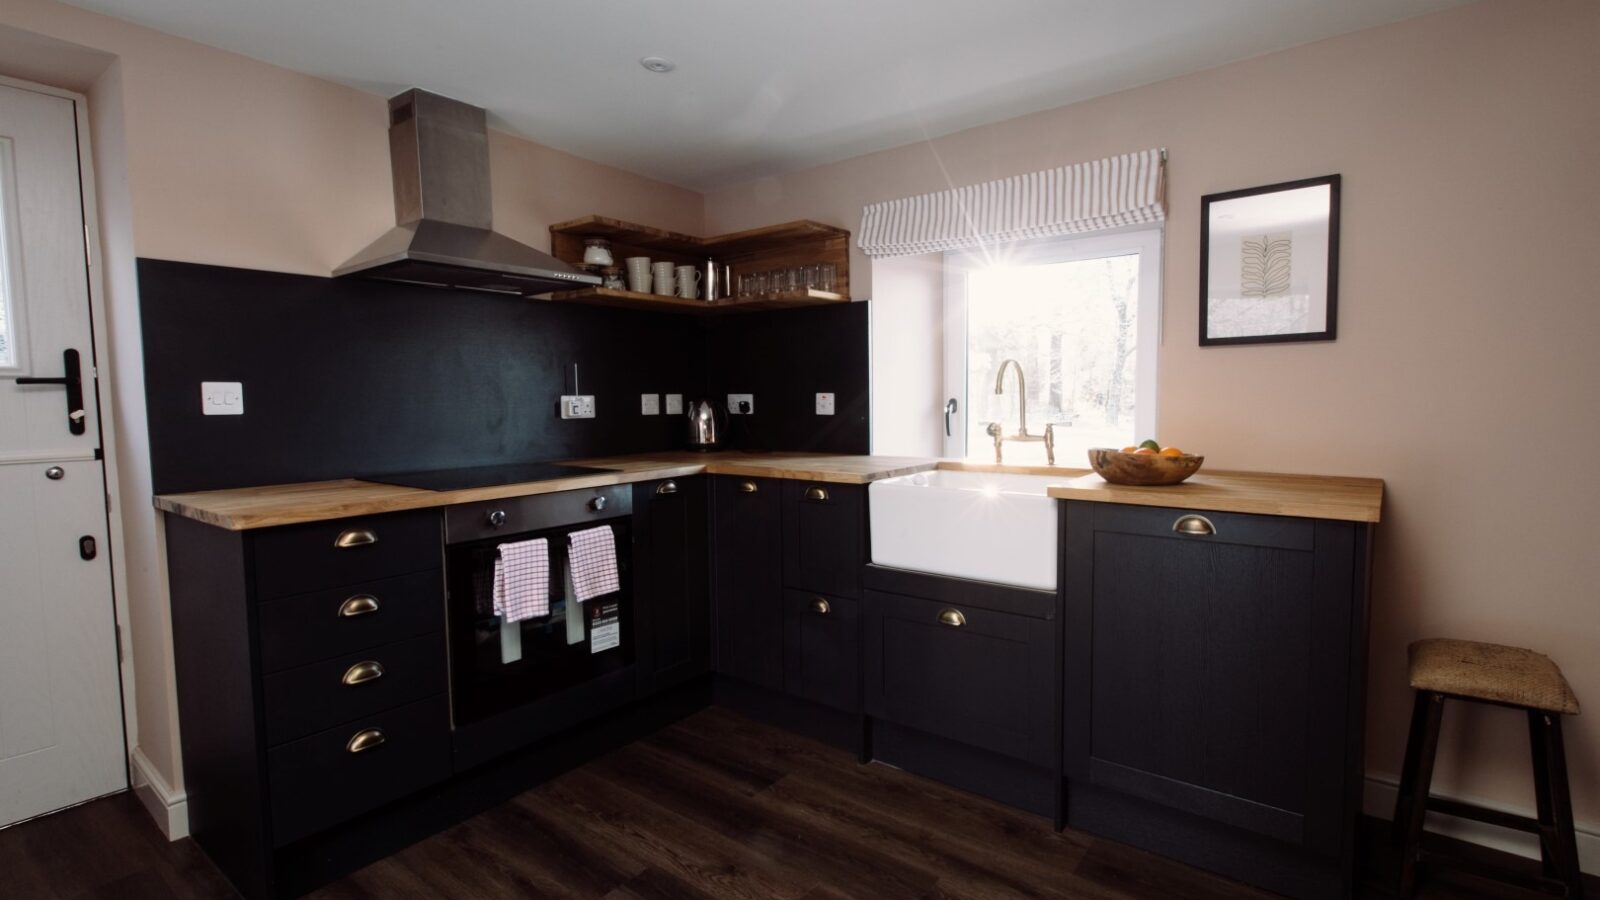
497, 518
597, 504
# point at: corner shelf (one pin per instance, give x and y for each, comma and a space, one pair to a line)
634, 300
788, 244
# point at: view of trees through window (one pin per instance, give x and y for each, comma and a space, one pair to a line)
1072, 327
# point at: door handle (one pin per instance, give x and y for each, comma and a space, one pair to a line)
86, 547
362, 672
952, 617
950, 408
1193, 524
667, 487
72, 380
364, 740
820, 606
818, 494
747, 487
358, 605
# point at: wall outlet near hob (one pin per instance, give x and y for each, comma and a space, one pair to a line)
741, 404
577, 406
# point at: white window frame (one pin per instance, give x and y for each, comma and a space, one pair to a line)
958, 265
11, 293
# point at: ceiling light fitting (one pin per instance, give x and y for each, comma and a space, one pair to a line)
658, 64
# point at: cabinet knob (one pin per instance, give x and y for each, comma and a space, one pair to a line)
820, 606
363, 672
667, 487
598, 504
358, 605
952, 617
1192, 524
497, 518
364, 740
818, 494
355, 537
747, 487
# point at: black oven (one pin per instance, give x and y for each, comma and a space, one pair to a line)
551, 662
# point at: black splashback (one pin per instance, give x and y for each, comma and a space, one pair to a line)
345, 377
785, 358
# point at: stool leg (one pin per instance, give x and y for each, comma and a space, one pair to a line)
1411, 805
1549, 853
1550, 778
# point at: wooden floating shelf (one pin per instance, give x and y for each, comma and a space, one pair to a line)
739, 243
662, 303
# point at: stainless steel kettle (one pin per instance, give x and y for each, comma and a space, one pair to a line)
705, 425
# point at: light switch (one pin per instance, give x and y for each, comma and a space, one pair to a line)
824, 404
674, 404
222, 398
649, 404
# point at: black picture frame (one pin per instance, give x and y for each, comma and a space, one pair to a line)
1331, 320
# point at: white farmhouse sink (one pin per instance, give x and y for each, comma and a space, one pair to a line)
979, 525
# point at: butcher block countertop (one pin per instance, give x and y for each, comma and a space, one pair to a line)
1307, 496
240, 509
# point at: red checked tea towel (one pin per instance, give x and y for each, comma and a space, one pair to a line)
522, 580
593, 554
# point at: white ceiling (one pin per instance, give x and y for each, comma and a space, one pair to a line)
762, 86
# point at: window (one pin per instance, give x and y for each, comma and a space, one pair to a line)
1081, 318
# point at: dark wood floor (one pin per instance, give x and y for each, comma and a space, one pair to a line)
715, 806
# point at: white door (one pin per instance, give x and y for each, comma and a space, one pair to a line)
61, 735
1081, 316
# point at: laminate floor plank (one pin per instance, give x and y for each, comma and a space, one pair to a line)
714, 807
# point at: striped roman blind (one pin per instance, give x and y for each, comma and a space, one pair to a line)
1091, 196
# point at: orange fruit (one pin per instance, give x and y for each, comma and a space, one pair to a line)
1173, 452
1130, 449
1144, 451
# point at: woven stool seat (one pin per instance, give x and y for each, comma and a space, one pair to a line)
1498, 674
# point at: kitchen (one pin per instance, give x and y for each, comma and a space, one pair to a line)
219, 227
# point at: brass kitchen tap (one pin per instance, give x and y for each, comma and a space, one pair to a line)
1022, 434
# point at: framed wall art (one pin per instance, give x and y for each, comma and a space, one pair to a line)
1269, 263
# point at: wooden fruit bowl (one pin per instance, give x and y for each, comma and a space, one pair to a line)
1142, 468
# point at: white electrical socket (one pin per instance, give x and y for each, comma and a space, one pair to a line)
741, 404
824, 404
577, 406
221, 398
674, 404
649, 404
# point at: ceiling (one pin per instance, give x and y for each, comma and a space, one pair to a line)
761, 86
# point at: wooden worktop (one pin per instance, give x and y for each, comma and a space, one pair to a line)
1308, 496
241, 509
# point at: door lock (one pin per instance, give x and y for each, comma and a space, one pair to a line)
87, 548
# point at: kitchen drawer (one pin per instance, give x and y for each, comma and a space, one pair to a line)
319, 781
299, 558
313, 697
823, 537
986, 681
309, 627
822, 640
1281, 532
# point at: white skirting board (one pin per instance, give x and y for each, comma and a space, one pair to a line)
169, 807
1379, 803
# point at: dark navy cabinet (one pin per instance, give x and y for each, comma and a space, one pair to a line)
747, 579
1213, 689
672, 580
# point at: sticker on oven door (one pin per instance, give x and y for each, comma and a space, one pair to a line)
605, 626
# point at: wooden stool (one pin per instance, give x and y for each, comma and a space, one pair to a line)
1504, 676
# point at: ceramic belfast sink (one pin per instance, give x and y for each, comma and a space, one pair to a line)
979, 525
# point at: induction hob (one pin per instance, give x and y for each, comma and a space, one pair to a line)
481, 476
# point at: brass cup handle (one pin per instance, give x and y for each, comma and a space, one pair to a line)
952, 617
667, 487
363, 672
1192, 524
816, 493
747, 487
355, 537
364, 740
358, 605
820, 606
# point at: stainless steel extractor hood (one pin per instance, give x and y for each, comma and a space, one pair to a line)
439, 151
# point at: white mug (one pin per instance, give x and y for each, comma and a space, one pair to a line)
664, 282
689, 282
638, 274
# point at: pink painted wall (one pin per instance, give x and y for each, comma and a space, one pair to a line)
1467, 364
206, 156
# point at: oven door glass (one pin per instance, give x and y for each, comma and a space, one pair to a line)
496, 666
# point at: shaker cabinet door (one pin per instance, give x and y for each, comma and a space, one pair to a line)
747, 578
672, 581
